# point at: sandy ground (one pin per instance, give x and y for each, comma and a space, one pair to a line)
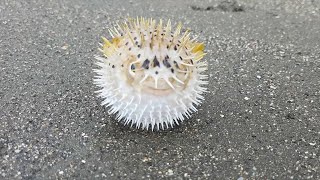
261, 118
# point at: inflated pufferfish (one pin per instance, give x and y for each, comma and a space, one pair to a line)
150, 75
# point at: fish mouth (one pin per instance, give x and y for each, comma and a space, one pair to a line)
150, 88
158, 86
156, 91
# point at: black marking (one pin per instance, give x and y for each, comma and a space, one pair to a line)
113, 66
129, 49
166, 63
135, 38
109, 64
162, 34
157, 72
121, 65
191, 61
139, 55
136, 42
175, 48
179, 41
146, 64
127, 43
167, 46
172, 70
156, 62
177, 66
133, 67
139, 46
180, 58
171, 35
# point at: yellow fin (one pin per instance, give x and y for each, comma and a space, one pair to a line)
106, 42
198, 47
115, 41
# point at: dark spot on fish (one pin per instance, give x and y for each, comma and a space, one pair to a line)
139, 55
136, 42
127, 43
175, 48
157, 72
172, 70
146, 64
191, 61
133, 67
167, 46
156, 62
121, 65
166, 63
177, 66
135, 38
113, 66
180, 58
129, 49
